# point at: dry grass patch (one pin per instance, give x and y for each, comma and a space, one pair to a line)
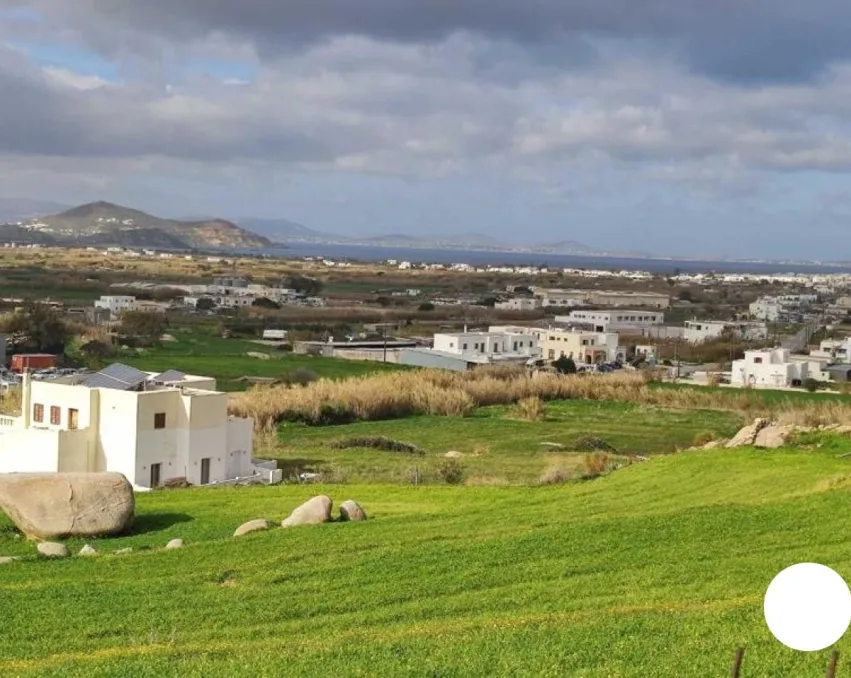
10, 403
531, 409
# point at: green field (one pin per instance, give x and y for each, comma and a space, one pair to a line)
227, 360
497, 446
656, 570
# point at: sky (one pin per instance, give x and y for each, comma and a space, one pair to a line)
680, 127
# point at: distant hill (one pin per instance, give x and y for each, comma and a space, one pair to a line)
104, 223
282, 230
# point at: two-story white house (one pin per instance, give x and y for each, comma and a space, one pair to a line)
613, 320
492, 344
116, 304
699, 331
776, 367
149, 427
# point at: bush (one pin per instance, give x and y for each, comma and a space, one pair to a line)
377, 443
703, 438
532, 409
178, 483
591, 444
451, 471
555, 475
595, 465
812, 385
300, 376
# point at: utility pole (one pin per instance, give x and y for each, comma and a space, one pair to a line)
384, 336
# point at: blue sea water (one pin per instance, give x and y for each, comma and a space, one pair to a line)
479, 258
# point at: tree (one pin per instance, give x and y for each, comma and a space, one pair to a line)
383, 301
426, 306
205, 304
304, 285
264, 302
565, 365
147, 328
40, 327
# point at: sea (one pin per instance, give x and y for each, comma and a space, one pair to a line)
489, 258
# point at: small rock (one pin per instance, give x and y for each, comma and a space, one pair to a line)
52, 549
175, 544
88, 551
747, 435
312, 512
251, 526
453, 454
121, 552
5, 560
555, 446
351, 511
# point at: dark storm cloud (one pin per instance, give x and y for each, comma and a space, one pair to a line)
736, 40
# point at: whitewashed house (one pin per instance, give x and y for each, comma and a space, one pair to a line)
613, 320
776, 368
493, 345
116, 304
699, 331
149, 427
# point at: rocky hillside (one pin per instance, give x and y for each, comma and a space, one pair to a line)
103, 223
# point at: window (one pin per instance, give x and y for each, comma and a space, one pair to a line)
515, 345
38, 413
73, 419
465, 347
55, 415
159, 420
758, 360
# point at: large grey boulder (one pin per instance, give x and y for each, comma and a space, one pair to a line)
351, 511
773, 436
747, 435
57, 505
312, 512
251, 526
53, 550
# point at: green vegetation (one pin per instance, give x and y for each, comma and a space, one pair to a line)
497, 445
656, 570
227, 360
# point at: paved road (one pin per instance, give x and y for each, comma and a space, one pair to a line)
799, 341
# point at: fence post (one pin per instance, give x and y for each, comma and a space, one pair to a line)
831, 668
737, 663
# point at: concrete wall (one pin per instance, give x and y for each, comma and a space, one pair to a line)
240, 444
369, 354
29, 451
424, 358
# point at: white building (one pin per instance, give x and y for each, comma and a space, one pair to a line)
613, 320
116, 304
698, 331
146, 426
766, 308
775, 368
834, 350
518, 304
275, 335
494, 345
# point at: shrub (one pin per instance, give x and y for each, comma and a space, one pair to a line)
703, 438
713, 379
811, 385
532, 409
596, 464
178, 483
300, 376
591, 444
377, 443
555, 475
451, 471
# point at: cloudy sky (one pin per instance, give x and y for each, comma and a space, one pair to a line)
712, 127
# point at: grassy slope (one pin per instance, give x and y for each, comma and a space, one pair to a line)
503, 447
657, 570
226, 360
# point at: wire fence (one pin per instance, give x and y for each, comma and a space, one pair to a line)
740, 655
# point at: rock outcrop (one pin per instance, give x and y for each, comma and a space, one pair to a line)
175, 544
773, 436
351, 511
314, 511
251, 526
51, 549
747, 435
57, 505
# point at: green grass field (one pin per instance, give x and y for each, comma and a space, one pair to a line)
226, 360
656, 570
497, 446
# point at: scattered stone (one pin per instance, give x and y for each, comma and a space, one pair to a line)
555, 446
175, 544
88, 551
773, 436
312, 512
5, 560
747, 435
351, 511
713, 445
258, 356
52, 549
251, 526
453, 454
58, 505
122, 552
